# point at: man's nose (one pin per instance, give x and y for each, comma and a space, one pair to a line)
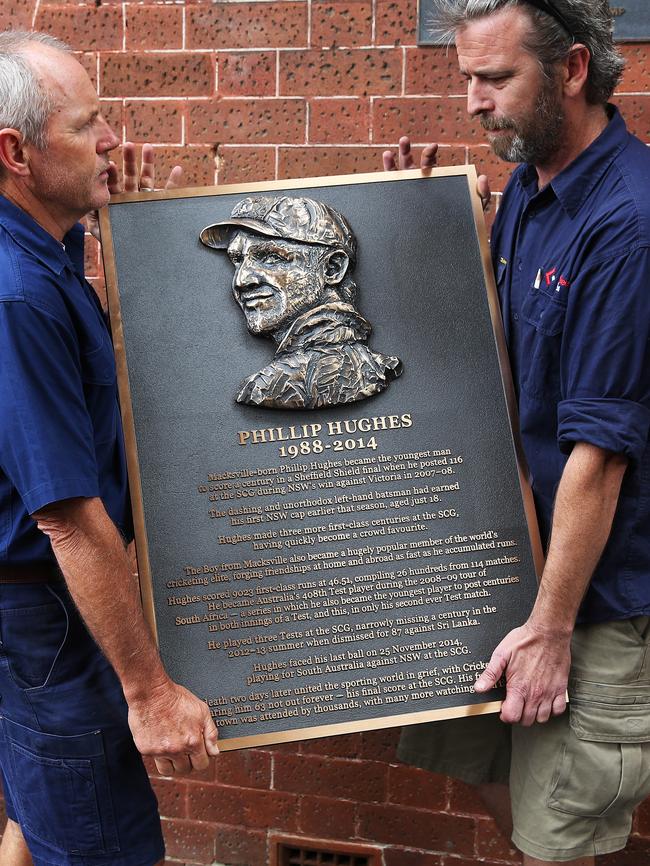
106, 140
478, 99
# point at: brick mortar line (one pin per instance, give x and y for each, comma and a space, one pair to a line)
35, 13
210, 97
285, 49
309, 22
337, 146
290, 96
148, 98
341, 96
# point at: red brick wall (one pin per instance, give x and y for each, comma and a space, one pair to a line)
246, 91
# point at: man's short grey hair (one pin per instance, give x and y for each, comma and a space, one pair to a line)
25, 105
590, 22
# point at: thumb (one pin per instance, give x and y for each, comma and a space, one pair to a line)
113, 179
210, 736
175, 178
492, 673
483, 189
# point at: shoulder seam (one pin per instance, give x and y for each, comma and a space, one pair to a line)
620, 253
37, 305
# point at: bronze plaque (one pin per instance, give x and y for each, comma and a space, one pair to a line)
332, 527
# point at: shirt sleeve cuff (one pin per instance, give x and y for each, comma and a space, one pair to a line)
620, 426
55, 491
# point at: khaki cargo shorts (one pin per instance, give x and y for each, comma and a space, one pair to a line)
575, 780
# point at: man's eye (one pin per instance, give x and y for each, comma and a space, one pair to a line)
272, 259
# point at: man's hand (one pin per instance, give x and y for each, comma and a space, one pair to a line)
428, 159
134, 178
406, 159
536, 665
142, 178
536, 657
166, 720
174, 727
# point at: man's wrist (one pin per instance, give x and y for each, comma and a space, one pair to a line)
547, 626
146, 686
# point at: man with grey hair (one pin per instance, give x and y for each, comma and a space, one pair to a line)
571, 252
83, 688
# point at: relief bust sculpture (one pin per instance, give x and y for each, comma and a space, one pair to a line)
293, 260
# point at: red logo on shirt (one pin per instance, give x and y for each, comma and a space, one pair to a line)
549, 276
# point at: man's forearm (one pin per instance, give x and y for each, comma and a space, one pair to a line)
96, 567
585, 506
166, 720
535, 657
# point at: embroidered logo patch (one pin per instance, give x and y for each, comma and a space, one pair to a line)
551, 279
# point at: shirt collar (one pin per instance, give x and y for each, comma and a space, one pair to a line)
573, 185
47, 249
322, 319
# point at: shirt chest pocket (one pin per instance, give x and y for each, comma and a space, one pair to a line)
543, 315
98, 365
100, 390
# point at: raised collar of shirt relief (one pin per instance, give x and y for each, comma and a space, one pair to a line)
318, 317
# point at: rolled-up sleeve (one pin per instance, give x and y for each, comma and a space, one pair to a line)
605, 363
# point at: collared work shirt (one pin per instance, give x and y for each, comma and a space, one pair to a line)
572, 263
60, 428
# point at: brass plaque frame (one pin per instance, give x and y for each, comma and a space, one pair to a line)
130, 226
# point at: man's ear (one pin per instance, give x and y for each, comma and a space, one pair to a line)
13, 152
336, 266
576, 69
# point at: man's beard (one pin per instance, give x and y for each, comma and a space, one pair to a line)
537, 137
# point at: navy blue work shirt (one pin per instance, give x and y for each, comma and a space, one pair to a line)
60, 426
572, 263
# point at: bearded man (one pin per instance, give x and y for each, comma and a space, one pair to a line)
571, 253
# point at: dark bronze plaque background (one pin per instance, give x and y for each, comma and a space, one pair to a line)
421, 277
631, 21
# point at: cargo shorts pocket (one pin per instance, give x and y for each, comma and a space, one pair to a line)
60, 789
605, 762
33, 637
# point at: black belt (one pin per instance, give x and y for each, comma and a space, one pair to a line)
42, 573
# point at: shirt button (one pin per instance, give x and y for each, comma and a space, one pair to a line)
520, 266
515, 316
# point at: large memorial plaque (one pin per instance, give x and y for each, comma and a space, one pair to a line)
333, 530
631, 21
